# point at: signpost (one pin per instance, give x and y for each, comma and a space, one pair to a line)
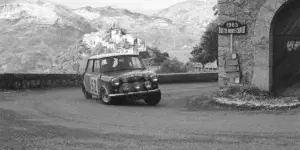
232, 28
231, 63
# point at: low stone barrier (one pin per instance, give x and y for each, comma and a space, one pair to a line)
11, 81
187, 77
27, 81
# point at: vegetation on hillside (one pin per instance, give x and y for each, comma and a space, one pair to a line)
172, 66
207, 50
156, 56
163, 61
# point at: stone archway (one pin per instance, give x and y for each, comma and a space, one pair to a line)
262, 42
286, 52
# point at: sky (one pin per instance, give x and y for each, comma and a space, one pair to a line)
141, 6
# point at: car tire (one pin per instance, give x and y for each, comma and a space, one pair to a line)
104, 97
87, 95
153, 99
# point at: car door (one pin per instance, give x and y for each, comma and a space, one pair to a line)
95, 78
87, 75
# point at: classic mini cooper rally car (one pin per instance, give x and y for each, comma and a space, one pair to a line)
116, 76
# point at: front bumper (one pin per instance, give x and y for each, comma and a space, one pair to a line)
139, 93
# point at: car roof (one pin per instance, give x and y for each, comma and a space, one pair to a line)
112, 55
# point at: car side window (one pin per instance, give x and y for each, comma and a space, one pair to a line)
103, 62
136, 63
116, 62
90, 66
97, 66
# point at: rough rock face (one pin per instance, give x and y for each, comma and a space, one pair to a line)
41, 12
37, 37
254, 47
190, 12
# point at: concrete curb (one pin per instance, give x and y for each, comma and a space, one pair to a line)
249, 106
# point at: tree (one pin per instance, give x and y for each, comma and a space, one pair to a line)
172, 66
157, 56
144, 54
207, 50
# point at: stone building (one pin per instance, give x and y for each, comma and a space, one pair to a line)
268, 53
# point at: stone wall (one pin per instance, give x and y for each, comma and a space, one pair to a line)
10, 81
253, 48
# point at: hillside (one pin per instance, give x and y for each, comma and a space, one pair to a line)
190, 15
158, 31
38, 36
34, 33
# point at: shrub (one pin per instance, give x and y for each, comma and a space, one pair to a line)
242, 91
157, 57
207, 50
172, 66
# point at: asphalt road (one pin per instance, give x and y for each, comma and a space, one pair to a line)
63, 119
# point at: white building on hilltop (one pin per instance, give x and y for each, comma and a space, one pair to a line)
116, 39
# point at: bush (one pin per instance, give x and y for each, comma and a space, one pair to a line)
207, 50
242, 91
144, 54
157, 57
172, 66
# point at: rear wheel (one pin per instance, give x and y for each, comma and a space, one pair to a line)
153, 99
105, 99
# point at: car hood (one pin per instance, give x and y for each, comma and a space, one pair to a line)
129, 73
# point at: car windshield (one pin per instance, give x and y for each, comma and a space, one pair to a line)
119, 63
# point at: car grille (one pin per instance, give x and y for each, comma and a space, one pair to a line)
129, 87
133, 79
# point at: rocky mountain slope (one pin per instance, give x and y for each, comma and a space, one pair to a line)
190, 13
34, 33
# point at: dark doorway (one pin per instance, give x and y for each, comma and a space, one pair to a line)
285, 30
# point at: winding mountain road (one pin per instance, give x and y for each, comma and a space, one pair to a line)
62, 119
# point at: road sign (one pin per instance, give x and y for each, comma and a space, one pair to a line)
232, 27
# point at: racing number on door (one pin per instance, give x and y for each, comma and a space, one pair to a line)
94, 86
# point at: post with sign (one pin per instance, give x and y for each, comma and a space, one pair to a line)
231, 62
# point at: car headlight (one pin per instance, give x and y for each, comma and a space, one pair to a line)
154, 78
148, 85
136, 86
115, 82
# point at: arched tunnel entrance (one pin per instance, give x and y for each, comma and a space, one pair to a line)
285, 31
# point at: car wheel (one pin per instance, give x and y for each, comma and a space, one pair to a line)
153, 99
105, 99
87, 95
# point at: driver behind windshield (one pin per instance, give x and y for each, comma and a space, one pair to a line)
109, 65
123, 63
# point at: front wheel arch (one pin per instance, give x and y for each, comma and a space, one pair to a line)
153, 99
104, 98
